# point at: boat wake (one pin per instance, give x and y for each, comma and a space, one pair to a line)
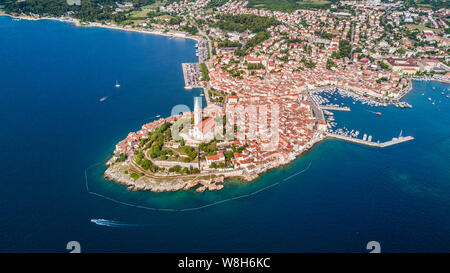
112, 223
373, 112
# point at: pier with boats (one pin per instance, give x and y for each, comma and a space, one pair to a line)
335, 108
322, 107
368, 140
402, 104
191, 74
201, 51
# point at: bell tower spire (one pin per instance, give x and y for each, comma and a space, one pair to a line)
197, 110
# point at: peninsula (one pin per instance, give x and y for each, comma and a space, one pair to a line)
262, 67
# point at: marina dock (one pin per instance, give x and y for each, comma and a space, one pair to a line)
393, 141
192, 74
202, 51
334, 108
324, 104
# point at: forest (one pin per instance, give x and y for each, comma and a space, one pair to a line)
89, 10
244, 22
290, 5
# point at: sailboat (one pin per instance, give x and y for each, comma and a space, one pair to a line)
117, 84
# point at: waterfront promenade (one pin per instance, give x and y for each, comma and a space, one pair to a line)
393, 141
317, 111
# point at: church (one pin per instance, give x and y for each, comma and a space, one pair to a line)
203, 130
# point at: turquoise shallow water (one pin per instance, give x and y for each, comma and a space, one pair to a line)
54, 127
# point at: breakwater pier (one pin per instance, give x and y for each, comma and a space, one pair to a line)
393, 141
334, 108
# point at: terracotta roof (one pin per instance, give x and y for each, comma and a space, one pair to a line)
217, 157
207, 124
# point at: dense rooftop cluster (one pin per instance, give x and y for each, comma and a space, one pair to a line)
261, 66
266, 63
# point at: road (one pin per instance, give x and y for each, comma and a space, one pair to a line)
209, 63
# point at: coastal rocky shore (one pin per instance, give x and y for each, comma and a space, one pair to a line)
117, 172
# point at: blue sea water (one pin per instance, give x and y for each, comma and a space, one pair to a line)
56, 133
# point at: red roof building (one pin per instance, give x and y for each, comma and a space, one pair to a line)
218, 158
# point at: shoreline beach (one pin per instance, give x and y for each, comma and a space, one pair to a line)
78, 23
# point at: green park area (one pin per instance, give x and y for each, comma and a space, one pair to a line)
289, 5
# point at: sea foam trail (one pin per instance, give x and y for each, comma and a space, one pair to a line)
112, 223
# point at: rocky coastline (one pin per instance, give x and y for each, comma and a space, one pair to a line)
118, 172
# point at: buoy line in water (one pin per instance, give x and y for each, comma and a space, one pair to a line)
193, 208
